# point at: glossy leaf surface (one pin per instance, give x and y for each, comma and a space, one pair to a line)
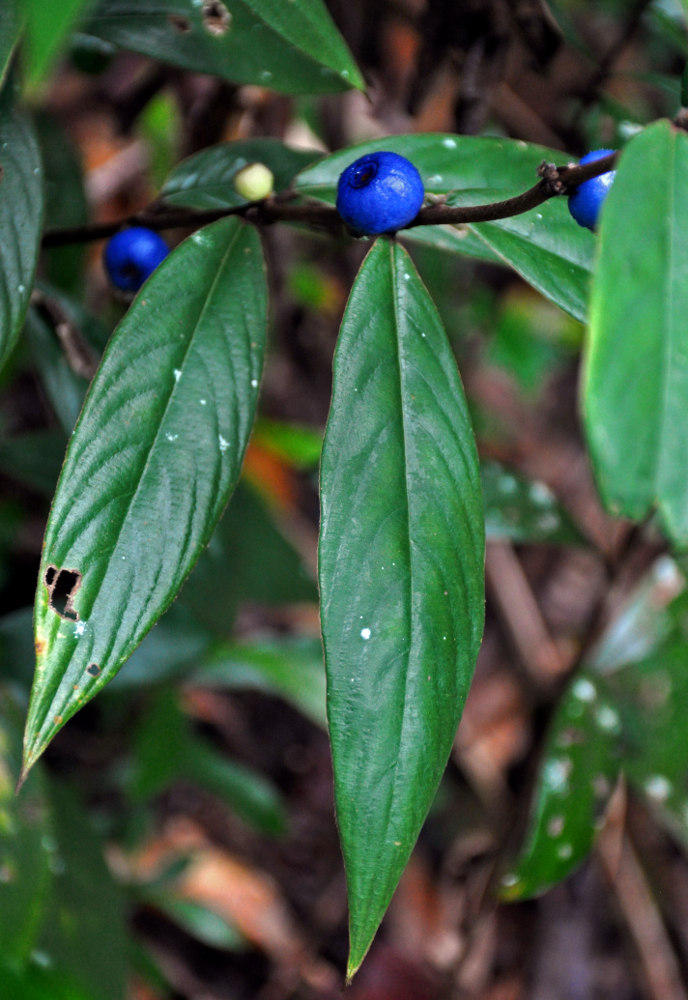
20, 188
544, 245
294, 48
206, 180
401, 573
636, 370
156, 452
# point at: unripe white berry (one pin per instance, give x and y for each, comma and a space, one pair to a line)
254, 182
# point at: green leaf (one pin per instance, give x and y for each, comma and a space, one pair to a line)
154, 457
292, 48
84, 934
10, 30
401, 573
523, 511
295, 444
580, 766
206, 180
36, 983
621, 713
291, 667
199, 922
636, 367
26, 843
544, 245
48, 26
20, 231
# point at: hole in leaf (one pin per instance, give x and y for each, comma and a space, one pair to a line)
216, 17
93, 669
180, 24
62, 587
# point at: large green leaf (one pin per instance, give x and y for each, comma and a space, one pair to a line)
154, 456
636, 368
205, 180
544, 245
21, 217
10, 28
401, 573
291, 47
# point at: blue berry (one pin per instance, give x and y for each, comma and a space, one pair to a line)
587, 199
379, 193
132, 255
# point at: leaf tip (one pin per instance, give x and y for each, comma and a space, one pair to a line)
356, 957
22, 778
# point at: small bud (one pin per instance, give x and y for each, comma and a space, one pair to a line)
254, 182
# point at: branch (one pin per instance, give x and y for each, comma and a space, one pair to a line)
554, 181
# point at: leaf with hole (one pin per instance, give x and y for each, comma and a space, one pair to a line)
290, 47
155, 454
401, 573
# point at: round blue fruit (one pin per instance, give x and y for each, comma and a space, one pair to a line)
379, 193
132, 255
587, 199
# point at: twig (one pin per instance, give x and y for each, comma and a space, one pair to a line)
642, 917
554, 181
77, 352
519, 609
